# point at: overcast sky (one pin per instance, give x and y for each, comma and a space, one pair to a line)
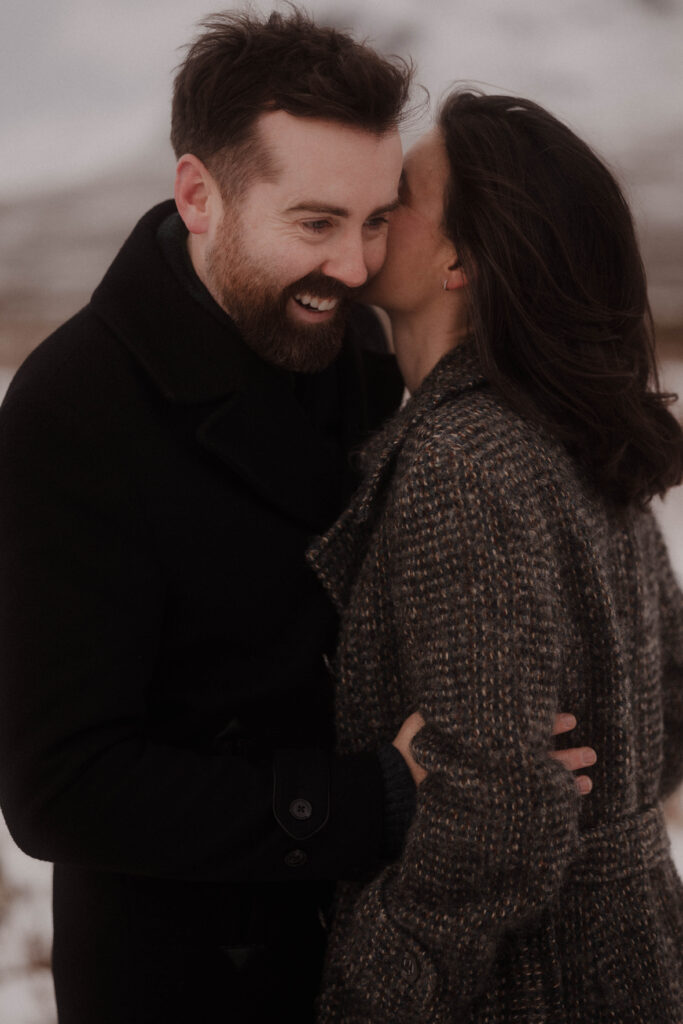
85, 84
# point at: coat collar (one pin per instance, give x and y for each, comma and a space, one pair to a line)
265, 436
336, 556
253, 421
190, 355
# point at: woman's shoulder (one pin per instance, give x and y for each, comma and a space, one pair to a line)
474, 436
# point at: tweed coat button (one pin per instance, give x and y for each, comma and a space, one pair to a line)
295, 859
301, 809
410, 969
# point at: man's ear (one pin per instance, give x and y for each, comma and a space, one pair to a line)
454, 275
196, 195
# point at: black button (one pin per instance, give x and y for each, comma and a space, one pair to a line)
300, 809
410, 968
295, 859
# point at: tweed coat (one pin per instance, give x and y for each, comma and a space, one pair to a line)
482, 581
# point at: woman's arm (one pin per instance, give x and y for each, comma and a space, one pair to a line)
474, 584
574, 758
671, 611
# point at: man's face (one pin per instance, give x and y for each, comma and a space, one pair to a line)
288, 255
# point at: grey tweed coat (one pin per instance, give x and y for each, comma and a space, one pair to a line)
482, 581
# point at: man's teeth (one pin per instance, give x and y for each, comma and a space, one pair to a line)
322, 305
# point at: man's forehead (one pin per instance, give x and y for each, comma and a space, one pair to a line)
321, 160
278, 127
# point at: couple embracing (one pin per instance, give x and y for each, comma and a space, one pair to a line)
284, 666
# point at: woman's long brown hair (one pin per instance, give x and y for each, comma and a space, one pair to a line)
558, 295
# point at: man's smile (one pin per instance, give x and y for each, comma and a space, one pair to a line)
315, 302
307, 308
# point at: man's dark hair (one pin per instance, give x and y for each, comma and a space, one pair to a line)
242, 66
558, 297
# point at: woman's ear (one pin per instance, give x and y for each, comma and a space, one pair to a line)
454, 276
196, 195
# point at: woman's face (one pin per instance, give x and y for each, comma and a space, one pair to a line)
417, 250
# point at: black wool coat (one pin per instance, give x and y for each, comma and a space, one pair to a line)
165, 707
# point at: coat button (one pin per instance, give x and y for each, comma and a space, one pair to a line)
410, 968
300, 809
295, 859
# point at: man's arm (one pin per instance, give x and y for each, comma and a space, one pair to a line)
83, 600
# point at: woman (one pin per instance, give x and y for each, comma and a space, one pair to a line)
499, 561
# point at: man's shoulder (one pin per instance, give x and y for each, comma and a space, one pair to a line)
79, 373
84, 349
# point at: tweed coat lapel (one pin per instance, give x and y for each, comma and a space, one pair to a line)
337, 555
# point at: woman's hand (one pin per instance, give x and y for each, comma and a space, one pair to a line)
573, 759
410, 727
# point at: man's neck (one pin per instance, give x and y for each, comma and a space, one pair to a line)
173, 238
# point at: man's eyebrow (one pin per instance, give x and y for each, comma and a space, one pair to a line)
393, 205
313, 206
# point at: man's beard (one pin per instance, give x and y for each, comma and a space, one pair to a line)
260, 310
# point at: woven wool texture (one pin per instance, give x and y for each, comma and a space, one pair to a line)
481, 580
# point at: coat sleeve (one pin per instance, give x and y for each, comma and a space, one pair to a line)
84, 777
474, 591
671, 617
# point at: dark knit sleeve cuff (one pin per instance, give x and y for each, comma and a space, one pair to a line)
399, 799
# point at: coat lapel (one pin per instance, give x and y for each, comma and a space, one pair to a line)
337, 555
265, 436
196, 357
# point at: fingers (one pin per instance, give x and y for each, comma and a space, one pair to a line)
411, 726
573, 760
408, 730
563, 723
576, 758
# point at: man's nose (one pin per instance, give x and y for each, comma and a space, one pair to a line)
347, 263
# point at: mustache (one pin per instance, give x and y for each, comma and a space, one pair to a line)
324, 287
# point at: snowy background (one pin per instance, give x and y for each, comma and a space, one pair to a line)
84, 108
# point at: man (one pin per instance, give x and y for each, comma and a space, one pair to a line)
165, 458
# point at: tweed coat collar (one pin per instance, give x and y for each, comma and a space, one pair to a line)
249, 416
336, 556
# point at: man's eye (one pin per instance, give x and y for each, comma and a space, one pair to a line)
377, 222
316, 225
